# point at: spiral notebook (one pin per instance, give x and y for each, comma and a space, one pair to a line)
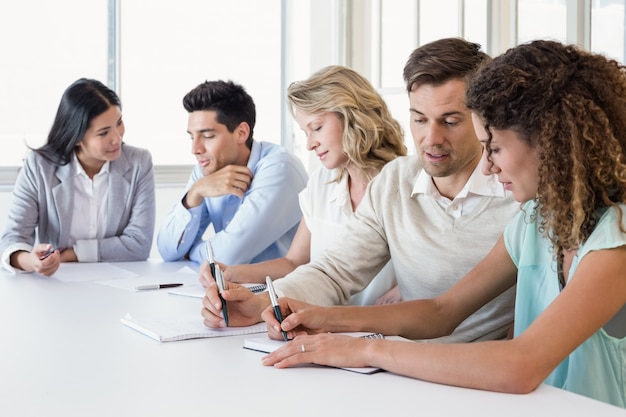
171, 329
197, 290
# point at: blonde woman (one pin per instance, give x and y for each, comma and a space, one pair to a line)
349, 127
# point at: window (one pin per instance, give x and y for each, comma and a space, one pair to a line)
166, 48
42, 54
607, 28
165, 51
541, 19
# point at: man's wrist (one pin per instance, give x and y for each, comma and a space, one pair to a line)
191, 199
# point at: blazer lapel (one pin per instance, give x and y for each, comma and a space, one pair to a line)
119, 192
63, 195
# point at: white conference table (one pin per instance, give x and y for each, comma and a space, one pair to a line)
64, 352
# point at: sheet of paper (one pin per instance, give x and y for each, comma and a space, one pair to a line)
192, 290
185, 276
78, 271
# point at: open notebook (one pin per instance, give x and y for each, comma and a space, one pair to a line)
267, 345
171, 329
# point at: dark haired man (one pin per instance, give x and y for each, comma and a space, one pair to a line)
247, 190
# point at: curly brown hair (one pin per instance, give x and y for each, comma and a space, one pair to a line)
571, 105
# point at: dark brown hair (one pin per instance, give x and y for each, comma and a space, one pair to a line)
441, 61
231, 103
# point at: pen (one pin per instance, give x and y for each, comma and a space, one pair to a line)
156, 286
210, 258
274, 298
48, 253
219, 280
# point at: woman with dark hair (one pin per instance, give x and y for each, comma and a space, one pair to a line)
84, 196
552, 120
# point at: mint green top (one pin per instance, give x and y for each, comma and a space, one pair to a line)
597, 368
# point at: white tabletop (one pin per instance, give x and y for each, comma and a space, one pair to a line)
64, 352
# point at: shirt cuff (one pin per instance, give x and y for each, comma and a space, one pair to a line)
192, 212
86, 250
191, 218
183, 216
6, 256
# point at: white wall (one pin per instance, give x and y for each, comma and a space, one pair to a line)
165, 199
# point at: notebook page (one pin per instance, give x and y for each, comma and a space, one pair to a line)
170, 329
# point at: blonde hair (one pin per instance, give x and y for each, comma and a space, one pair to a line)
371, 136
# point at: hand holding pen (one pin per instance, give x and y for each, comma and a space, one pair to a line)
298, 318
43, 259
219, 279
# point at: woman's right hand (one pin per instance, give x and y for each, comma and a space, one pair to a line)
299, 318
42, 259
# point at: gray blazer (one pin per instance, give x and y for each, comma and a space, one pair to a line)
43, 200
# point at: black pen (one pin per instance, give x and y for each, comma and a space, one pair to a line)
210, 258
274, 299
157, 286
219, 279
45, 255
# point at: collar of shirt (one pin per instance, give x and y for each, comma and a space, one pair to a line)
468, 199
80, 171
340, 195
255, 156
478, 184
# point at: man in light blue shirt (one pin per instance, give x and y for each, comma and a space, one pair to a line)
246, 189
